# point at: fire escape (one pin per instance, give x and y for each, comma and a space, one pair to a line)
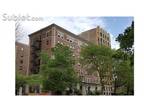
35, 60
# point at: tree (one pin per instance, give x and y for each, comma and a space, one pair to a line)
20, 82
57, 70
98, 59
23, 81
123, 71
34, 79
18, 31
126, 40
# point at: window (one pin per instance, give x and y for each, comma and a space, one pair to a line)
47, 42
70, 40
48, 33
60, 34
100, 34
21, 61
20, 68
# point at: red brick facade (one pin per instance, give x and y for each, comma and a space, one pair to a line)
48, 37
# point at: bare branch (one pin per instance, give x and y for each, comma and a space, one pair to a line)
18, 31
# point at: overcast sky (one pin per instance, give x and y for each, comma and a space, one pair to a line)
113, 25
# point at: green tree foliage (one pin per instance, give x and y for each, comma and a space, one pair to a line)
34, 79
23, 80
57, 71
20, 81
97, 59
126, 55
123, 71
126, 39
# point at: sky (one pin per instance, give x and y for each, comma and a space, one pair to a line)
113, 25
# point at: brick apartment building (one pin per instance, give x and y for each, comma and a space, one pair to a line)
48, 37
22, 58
